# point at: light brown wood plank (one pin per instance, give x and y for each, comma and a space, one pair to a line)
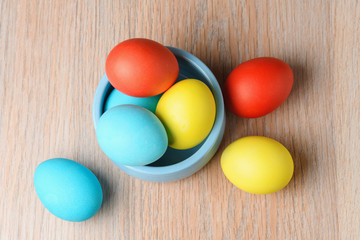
346, 112
52, 56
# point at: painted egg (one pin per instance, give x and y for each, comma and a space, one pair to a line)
187, 111
131, 135
67, 189
116, 98
257, 164
141, 67
257, 87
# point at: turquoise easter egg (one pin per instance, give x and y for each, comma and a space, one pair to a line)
67, 189
131, 135
118, 98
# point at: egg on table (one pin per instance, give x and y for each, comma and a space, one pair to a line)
257, 164
68, 189
258, 86
131, 135
187, 111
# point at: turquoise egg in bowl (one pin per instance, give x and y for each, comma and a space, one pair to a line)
116, 98
131, 135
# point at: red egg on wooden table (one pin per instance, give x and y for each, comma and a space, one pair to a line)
257, 87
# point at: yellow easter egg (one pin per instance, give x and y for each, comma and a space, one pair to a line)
187, 111
257, 164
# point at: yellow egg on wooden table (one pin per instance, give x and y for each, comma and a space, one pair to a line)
257, 164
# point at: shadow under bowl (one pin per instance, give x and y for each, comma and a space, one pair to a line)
175, 164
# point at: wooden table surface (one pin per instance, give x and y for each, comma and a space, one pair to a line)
52, 56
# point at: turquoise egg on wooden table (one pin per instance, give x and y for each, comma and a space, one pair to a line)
68, 189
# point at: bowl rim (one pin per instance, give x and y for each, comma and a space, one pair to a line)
211, 140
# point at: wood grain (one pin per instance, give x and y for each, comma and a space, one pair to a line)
52, 55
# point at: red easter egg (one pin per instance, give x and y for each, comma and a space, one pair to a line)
257, 87
141, 67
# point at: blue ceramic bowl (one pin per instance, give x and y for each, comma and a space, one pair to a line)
175, 164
